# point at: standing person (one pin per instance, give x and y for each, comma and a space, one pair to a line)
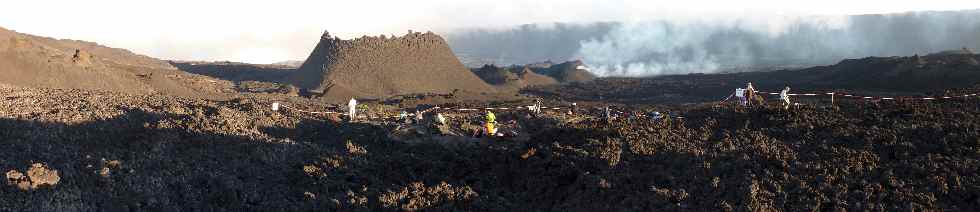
403, 117
784, 95
740, 94
537, 106
440, 119
608, 114
750, 92
655, 116
352, 109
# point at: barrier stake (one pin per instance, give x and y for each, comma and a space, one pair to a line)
832, 99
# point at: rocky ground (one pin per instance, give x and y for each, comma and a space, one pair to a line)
116, 151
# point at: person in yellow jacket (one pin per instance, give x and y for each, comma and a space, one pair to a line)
491, 120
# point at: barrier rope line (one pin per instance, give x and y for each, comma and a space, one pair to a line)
310, 112
873, 97
276, 105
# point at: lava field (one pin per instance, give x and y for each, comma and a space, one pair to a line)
117, 151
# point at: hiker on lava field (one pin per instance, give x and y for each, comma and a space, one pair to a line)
403, 116
537, 106
740, 94
440, 119
352, 109
784, 95
491, 121
607, 115
750, 93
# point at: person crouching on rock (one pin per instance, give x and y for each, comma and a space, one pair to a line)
491, 121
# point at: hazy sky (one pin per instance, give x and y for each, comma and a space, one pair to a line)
272, 31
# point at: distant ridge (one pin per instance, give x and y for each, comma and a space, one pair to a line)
571, 71
42, 62
512, 78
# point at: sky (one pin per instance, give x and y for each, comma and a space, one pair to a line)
274, 31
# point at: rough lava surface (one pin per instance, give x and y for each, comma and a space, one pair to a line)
117, 151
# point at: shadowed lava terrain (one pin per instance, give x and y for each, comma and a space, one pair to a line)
135, 152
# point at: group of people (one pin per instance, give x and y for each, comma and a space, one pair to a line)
748, 96
489, 122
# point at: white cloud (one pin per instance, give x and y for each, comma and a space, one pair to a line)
270, 31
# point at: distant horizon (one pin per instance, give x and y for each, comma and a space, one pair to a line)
260, 33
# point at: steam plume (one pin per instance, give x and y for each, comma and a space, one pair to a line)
746, 43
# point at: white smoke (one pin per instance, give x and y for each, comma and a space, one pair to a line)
650, 49
701, 46
752, 43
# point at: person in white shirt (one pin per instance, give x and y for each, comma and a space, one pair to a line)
740, 94
441, 119
402, 115
352, 109
537, 106
784, 95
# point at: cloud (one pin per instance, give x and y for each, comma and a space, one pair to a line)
265, 31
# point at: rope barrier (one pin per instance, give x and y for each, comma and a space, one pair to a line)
873, 97
277, 105
301, 110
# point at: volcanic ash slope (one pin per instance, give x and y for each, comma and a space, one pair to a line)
377, 66
42, 62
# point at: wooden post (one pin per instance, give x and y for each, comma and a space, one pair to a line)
832, 94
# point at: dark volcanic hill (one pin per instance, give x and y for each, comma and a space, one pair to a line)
376, 66
913, 74
35, 61
572, 71
236, 71
933, 74
513, 77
